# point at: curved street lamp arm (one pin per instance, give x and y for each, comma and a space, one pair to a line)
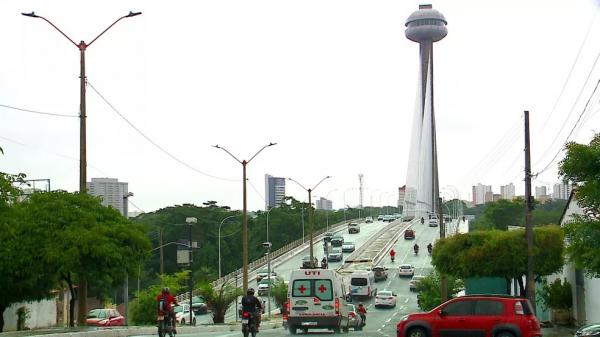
229, 153
131, 14
222, 221
319, 183
33, 15
170, 243
259, 151
304, 188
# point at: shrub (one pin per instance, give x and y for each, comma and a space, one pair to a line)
557, 295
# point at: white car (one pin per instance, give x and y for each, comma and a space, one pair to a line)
412, 284
182, 314
406, 270
385, 298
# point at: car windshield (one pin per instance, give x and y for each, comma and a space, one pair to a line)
348, 243
98, 313
351, 308
384, 293
336, 251
378, 269
178, 309
358, 281
406, 267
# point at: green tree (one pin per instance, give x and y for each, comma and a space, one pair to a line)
144, 307
581, 166
279, 292
82, 239
428, 290
501, 214
23, 277
219, 300
499, 254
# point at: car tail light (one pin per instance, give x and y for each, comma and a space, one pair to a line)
519, 308
337, 306
390, 298
351, 314
245, 314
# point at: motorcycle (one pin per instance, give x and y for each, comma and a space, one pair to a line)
248, 324
393, 257
429, 249
165, 324
323, 265
416, 248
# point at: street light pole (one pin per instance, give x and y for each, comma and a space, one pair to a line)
268, 245
191, 221
126, 286
222, 221
82, 46
244, 212
310, 218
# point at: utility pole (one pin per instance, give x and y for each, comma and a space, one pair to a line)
530, 283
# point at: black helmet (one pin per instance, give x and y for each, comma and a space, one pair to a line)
250, 291
165, 290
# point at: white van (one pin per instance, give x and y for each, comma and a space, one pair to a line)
362, 283
316, 300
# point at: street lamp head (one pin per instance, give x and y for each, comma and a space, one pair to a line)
132, 14
31, 15
216, 146
271, 144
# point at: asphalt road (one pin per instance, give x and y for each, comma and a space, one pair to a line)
380, 321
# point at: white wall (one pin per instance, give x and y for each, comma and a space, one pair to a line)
43, 314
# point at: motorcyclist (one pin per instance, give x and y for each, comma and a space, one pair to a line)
362, 311
422, 221
324, 263
430, 248
392, 254
251, 304
416, 248
166, 302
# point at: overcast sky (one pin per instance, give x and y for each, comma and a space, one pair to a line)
332, 82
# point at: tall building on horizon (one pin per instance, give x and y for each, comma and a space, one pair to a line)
561, 191
112, 192
424, 26
274, 191
401, 195
507, 191
482, 194
540, 191
324, 204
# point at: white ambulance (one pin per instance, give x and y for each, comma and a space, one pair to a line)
316, 300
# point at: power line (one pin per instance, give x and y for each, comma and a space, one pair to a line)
153, 142
549, 148
36, 112
562, 90
572, 129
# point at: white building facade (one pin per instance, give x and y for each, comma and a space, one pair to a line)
324, 204
112, 192
507, 191
479, 193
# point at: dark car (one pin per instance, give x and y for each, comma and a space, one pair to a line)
199, 305
327, 236
380, 273
409, 234
104, 317
474, 315
306, 262
337, 241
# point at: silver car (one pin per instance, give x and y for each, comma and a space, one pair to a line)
355, 321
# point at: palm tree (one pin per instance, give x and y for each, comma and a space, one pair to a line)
219, 299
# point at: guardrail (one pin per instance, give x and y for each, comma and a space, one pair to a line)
254, 265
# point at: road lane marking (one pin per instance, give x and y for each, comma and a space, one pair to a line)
406, 300
388, 320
